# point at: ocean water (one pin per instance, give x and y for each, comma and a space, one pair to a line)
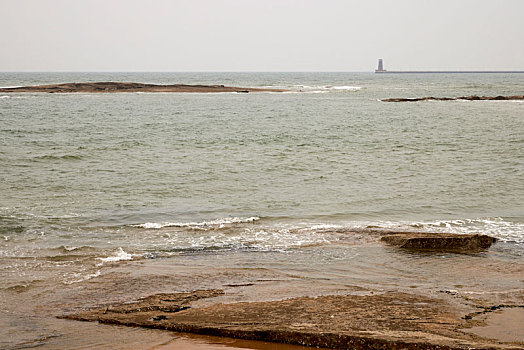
96, 186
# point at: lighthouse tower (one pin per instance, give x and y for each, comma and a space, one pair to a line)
380, 66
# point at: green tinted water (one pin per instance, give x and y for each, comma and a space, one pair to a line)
199, 185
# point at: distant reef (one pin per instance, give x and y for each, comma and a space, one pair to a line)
111, 87
467, 98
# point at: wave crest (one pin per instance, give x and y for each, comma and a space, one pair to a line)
201, 224
326, 88
120, 255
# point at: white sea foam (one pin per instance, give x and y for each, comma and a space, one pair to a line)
217, 222
71, 248
345, 87
324, 226
150, 225
506, 231
5, 96
316, 89
325, 88
79, 278
120, 255
265, 239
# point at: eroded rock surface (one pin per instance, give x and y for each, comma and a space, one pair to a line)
163, 302
379, 321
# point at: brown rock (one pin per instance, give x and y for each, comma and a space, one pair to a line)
164, 302
378, 321
439, 241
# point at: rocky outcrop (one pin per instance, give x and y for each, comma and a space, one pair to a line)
164, 303
467, 98
439, 241
108, 87
374, 321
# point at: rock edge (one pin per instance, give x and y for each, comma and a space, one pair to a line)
439, 241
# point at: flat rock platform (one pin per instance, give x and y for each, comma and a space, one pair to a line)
375, 321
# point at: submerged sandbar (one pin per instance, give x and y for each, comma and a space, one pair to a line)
112, 87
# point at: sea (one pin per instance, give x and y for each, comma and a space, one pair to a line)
108, 197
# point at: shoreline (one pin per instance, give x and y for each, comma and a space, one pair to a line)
116, 87
114, 197
366, 318
372, 321
255, 299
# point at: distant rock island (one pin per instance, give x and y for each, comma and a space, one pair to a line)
467, 98
111, 87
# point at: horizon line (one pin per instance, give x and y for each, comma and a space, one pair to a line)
447, 71
320, 71
195, 71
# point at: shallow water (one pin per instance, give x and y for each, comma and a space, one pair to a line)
109, 197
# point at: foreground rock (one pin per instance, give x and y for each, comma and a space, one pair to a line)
98, 87
376, 321
467, 98
439, 241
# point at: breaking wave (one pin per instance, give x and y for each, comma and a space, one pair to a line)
316, 89
201, 224
78, 277
120, 255
500, 228
230, 234
325, 88
257, 239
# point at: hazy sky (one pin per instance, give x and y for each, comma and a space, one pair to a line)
263, 35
